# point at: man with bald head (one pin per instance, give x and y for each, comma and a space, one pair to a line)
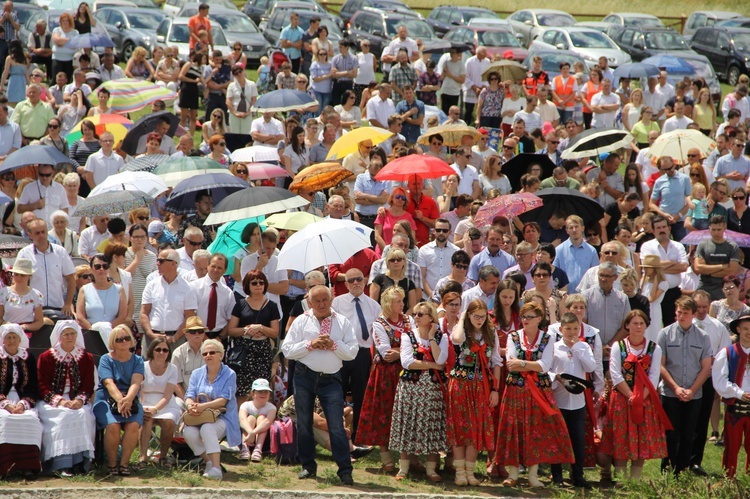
362, 311
473, 85
184, 146
167, 302
610, 253
320, 340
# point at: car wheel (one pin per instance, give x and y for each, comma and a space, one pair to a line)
733, 75
127, 51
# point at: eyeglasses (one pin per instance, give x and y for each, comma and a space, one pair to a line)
553, 141
352, 280
161, 350
461, 266
610, 253
45, 174
36, 76
9, 178
53, 126
241, 172
508, 147
257, 283
443, 231
122, 339
400, 197
421, 314
106, 141
492, 78
468, 156
322, 53
396, 259
164, 260
738, 198
138, 237
739, 144
692, 155
88, 277
100, 266
541, 275
478, 317
237, 48
211, 352
695, 175
193, 243
529, 317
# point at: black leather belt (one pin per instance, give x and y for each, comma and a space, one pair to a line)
367, 217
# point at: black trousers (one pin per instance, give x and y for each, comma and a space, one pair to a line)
337, 92
469, 112
667, 305
354, 376
575, 421
446, 101
47, 62
296, 64
684, 418
704, 418
63, 66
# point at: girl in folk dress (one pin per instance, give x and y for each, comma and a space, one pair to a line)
530, 422
473, 390
418, 425
636, 422
377, 407
653, 286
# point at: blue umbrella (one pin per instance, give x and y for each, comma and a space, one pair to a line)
670, 63
282, 101
229, 239
88, 40
635, 70
219, 186
33, 155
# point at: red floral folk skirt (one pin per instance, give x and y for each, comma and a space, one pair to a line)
469, 416
624, 440
377, 407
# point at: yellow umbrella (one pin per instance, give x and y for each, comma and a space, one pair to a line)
295, 221
349, 142
452, 134
320, 176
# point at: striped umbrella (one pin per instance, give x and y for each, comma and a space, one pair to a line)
128, 95
145, 163
116, 124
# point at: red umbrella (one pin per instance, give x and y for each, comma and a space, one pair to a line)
508, 206
408, 167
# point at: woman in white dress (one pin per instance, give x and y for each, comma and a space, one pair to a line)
66, 385
20, 303
157, 397
653, 286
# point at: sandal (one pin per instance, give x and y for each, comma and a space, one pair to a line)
257, 455
140, 466
388, 467
509, 482
114, 470
125, 471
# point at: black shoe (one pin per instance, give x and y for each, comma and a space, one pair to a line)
557, 480
582, 482
346, 479
358, 452
305, 474
697, 470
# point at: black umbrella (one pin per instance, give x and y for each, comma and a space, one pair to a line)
519, 164
39, 342
219, 185
254, 202
596, 141
564, 202
144, 126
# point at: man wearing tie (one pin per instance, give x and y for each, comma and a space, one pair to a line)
361, 310
215, 299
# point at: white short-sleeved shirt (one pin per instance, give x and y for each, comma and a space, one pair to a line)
54, 198
273, 127
103, 166
467, 177
168, 301
50, 269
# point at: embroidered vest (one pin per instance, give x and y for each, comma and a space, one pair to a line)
733, 358
516, 378
467, 365
393, 337
414, 374
628, 368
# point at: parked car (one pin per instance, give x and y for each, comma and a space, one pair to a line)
605, 28
737, 22
491, 22
530, 23
130, 27
551, 60
351, 7
634, 19
379, 28
100, 4
728, 50
697, 66
496, 40
588, 43
705, 18
642, 42
172, 7
237, 27
257, 10
271, 29
24, 12
173, 32
445, 17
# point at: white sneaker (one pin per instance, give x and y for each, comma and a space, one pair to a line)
213, 474
209, 465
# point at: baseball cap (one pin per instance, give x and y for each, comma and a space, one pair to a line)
155, 227
261, 384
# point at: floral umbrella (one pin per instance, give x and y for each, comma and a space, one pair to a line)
695, 237
320, 176
508, 206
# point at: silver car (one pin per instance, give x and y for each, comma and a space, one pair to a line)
530, 23
589, 43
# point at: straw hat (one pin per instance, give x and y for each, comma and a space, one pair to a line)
23, 266
651, 261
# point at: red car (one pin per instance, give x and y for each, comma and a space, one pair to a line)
496, 40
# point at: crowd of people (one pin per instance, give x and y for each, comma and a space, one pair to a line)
446, 340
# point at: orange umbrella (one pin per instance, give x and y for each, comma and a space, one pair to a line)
320, 176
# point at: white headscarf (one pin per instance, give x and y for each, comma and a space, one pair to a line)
5, 330
54, 339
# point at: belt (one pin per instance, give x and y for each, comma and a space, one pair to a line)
299, 367
168, 333
739, 408
368, 217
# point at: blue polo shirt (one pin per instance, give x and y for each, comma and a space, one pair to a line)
502, 261
672, 192
292, 35
366, 184
410, 132
575, 260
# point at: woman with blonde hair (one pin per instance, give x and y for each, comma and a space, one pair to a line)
138, 67
395, 275
631, 112
653, 286
212, 127
493, 178
704, 112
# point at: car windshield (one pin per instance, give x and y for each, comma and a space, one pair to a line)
416, 28
497, 39
471, 14
643, 22
741, 41
25, 14
180, 34
665, 40
551, 61
146, 4
145, 20
235, 23
590, 40
553, 19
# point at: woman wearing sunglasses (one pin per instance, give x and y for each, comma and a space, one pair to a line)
218, 146
237, 56
384, 223
101, 300
117, 407
213, 127
395, 275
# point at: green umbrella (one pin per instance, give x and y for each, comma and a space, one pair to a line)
177, 169
229, 239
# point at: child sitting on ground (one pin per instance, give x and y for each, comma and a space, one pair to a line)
256, 417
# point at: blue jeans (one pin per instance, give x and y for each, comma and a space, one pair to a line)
323, 100
328, 388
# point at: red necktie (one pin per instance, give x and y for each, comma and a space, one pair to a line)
213, 301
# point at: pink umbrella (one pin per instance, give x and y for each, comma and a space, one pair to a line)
263, 171
695, 237
508, 206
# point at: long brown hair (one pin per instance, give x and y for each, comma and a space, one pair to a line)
515, 307
488, 331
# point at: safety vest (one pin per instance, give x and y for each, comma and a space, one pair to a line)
532, 84
592, 90
566, 89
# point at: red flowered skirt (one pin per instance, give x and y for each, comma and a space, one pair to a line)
624, 440
526, 435
469, 416
377, 407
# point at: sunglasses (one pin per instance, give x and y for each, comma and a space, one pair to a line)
322, 53
161, 350
45, 175
400, 197
396, 260
212, 352
163, 260
122, 339
508, 147
738, 198
100, 266
421, 314
352, 280
88, 277
443, 231
9, 178
257, 283
193, 243
222, 144
611, 253
529, 317
241, 172
461, 266
194, 331
53, 126
493, 79
553, 141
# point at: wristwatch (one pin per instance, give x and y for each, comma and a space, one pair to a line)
523, 363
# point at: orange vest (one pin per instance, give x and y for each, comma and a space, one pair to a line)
532, 84
566, 89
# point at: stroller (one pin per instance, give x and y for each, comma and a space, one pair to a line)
267, 77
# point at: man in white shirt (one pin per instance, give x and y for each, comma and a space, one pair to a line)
167, 302
666, 88
362, 311
590, 279
530, 117
214, 298
604, 106
43, 196
109, 70
435, 257
547, 110
647, 164
103, 163
54, 273
380, 107
473, 84
265, 261
201, 260
266, 130
79, 83
163, 124
654, 99
92, 237
192, 240
679, 121
468, 178
736, 100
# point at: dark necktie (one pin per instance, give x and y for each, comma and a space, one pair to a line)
213, 302
362, 321
242, 105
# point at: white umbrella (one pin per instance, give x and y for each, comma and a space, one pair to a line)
327, 242
132, 181
677, 143
255, 154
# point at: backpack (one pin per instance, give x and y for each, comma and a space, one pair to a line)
284, 441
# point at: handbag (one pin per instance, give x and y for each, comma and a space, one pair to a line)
207, 416
239, 351
113, 405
